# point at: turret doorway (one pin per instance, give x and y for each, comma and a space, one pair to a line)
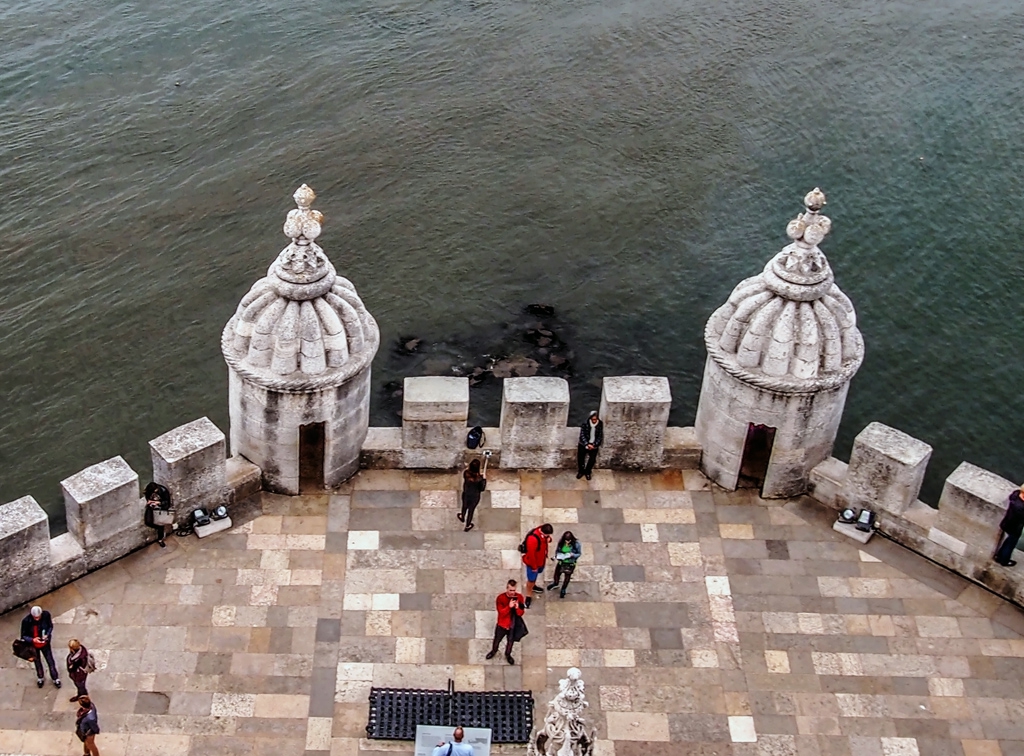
311, 458
757, 453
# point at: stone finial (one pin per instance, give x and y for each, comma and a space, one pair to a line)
802, 262
303, 224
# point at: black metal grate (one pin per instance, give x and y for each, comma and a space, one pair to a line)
395, 712
508, 714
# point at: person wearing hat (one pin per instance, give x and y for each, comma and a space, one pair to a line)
1010, 528
591, 438
37, 629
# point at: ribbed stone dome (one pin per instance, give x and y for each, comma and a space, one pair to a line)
303, 326
790, 328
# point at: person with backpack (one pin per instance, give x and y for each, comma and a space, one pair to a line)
567, 552
80, 663
473, 484
534, 549
87, 726
37, 629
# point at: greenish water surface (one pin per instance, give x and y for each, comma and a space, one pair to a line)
626, 162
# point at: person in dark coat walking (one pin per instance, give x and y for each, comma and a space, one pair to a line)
87, 726
1010, 528
157, 498
37, 629
591, 438
78, 667
473, 484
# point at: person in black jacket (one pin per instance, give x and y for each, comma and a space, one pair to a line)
473, 484
1010, 528
591, 438
157, 498
37, 629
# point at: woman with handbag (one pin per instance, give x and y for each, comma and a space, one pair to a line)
87, 726
158, 510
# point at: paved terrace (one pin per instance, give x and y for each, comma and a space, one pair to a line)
705, 623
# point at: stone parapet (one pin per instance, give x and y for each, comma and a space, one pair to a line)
886, 470
960, 535
534, 413
190, 462
635, 411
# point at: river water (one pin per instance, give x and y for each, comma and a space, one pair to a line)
625, 162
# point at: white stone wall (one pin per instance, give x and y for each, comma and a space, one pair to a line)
265, 428
805, 430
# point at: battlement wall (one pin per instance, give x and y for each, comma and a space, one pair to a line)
885, 473
105, 509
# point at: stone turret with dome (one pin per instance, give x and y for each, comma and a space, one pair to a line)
781, 353
299, 349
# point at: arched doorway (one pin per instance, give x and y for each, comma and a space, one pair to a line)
757, 452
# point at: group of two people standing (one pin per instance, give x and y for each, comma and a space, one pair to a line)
474, 479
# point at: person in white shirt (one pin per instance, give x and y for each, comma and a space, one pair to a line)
456, 747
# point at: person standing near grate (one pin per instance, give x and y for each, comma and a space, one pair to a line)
454, 748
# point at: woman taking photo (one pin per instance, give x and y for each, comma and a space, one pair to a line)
567, 552
473, 484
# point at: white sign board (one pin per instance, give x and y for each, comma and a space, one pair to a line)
429, 736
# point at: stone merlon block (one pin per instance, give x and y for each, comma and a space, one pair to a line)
534, 413
435, 398
886, 470
636, 399
24, 538
973, 495
102, 501
199, 443
635, 411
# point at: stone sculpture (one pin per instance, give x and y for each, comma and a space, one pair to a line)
564, 732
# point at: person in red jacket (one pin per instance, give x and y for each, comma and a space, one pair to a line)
536, 556
510, 606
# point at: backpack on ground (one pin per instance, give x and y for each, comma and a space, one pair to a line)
475, 438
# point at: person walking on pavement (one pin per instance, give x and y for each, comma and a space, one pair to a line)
510, 610
37, 629
87, 726
456, 747
473, 484
78, 667
567, 552
535, 555
591, 438
1010, 528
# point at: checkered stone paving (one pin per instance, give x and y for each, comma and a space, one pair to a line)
704, 622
